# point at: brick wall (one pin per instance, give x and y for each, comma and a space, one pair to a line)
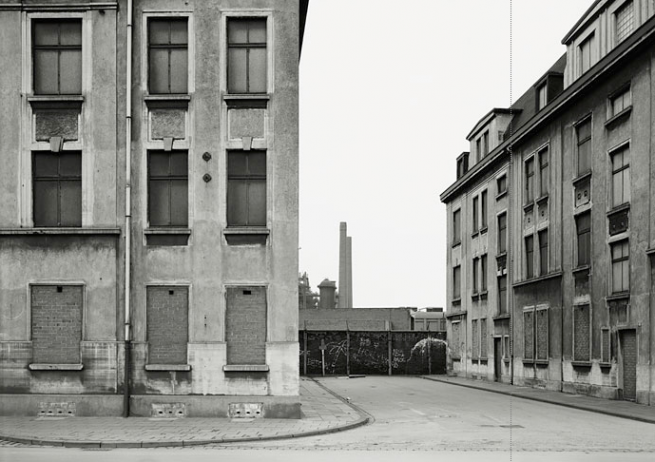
245, 325
581, 334
56, 324
168, 324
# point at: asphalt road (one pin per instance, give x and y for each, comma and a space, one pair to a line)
417, 420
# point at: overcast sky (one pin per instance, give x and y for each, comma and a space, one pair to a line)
389, 91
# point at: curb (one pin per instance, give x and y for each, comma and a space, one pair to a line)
581, 407
364, 419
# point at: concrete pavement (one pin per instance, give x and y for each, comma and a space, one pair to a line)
624, 409
323, 412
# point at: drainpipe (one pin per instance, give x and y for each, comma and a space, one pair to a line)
561, 291
128, 208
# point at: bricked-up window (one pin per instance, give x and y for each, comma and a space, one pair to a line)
529, 180
57, 188
541, 334
57, 49
168, 195
501, 184
483, 273
246, 188
483, 338
502, 294
455, 327
245, 325
581, 333
586, 54
529, 257
528, 334
246, 49
620, 101
457, 226
168, 67
544, 177
474, 208
475, 340
502, 233
621, 176
457, 282
624, 20
56, 324
483, 209
605, 345
621, 267
543, 252
167, 321
583, 229
583, 131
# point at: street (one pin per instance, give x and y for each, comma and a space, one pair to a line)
419, 417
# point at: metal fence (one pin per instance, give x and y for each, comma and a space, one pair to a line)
372, 352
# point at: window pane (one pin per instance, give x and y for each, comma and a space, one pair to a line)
158, 164
257, 163
237, 31
257, 70
179, 203
626, 185
237, 164
584, 131
46, 72
46, 33
158, 32
626, 275
257, 203
257, 33
179, 34
179, 71
236, 75
71, 203
617, 189
70, 79
45, 164
584, 154
236, 203
71, 33
179, 164
45, 203
158, 71
158, 203
70, 164
616, 277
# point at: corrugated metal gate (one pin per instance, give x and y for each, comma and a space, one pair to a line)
372, 352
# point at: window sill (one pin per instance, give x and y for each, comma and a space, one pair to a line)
457, 301
506, 360
541, 362
168, 367
619, 296
167, 101
246, 235
55, 367
528, 207
581, 363
535, 280
186, 231
55, 101
58, 231
475, 234
484, 229
455, 314
245, 368
456, 243
501, 255
528, 361
617, 117
580, 269
651, 252
543, 199
500, 195
619, 209
247, 101
483, 295
168, 97
501, 317
605, 365
581, 178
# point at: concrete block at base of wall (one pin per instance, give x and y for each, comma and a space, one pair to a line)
590, 390
85, 405
274, 407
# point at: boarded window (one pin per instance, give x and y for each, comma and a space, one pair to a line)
454, 341
541, 328
581, 333
168, 56
246, 49
605, 345
168, 203
528, 334
483, 338
167, 321
245, 325
56, 324
246, 190
57, 193
475, 340
57, 48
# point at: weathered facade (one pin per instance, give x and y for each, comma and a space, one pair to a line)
570, 268
149, 227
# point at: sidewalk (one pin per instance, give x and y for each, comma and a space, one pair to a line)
323, 412
615, 408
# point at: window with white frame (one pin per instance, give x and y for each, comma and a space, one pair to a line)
57, 56
246, 55
583, 132
57, 188
621, 176
620, 266
168, 66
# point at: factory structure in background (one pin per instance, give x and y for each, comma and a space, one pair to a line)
345, 267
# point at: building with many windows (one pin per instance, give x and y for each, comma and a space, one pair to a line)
149, 219
551, 243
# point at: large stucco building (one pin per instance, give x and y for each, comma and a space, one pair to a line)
149, 219
551, 222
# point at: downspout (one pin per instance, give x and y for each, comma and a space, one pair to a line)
561, 291
128, 208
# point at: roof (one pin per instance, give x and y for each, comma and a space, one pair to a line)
582, 21
304, 5
488, 117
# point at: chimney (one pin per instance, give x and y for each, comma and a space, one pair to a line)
327, 290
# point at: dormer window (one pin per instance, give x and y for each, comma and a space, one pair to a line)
462, 165
586, 53
624, 21
542, 96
